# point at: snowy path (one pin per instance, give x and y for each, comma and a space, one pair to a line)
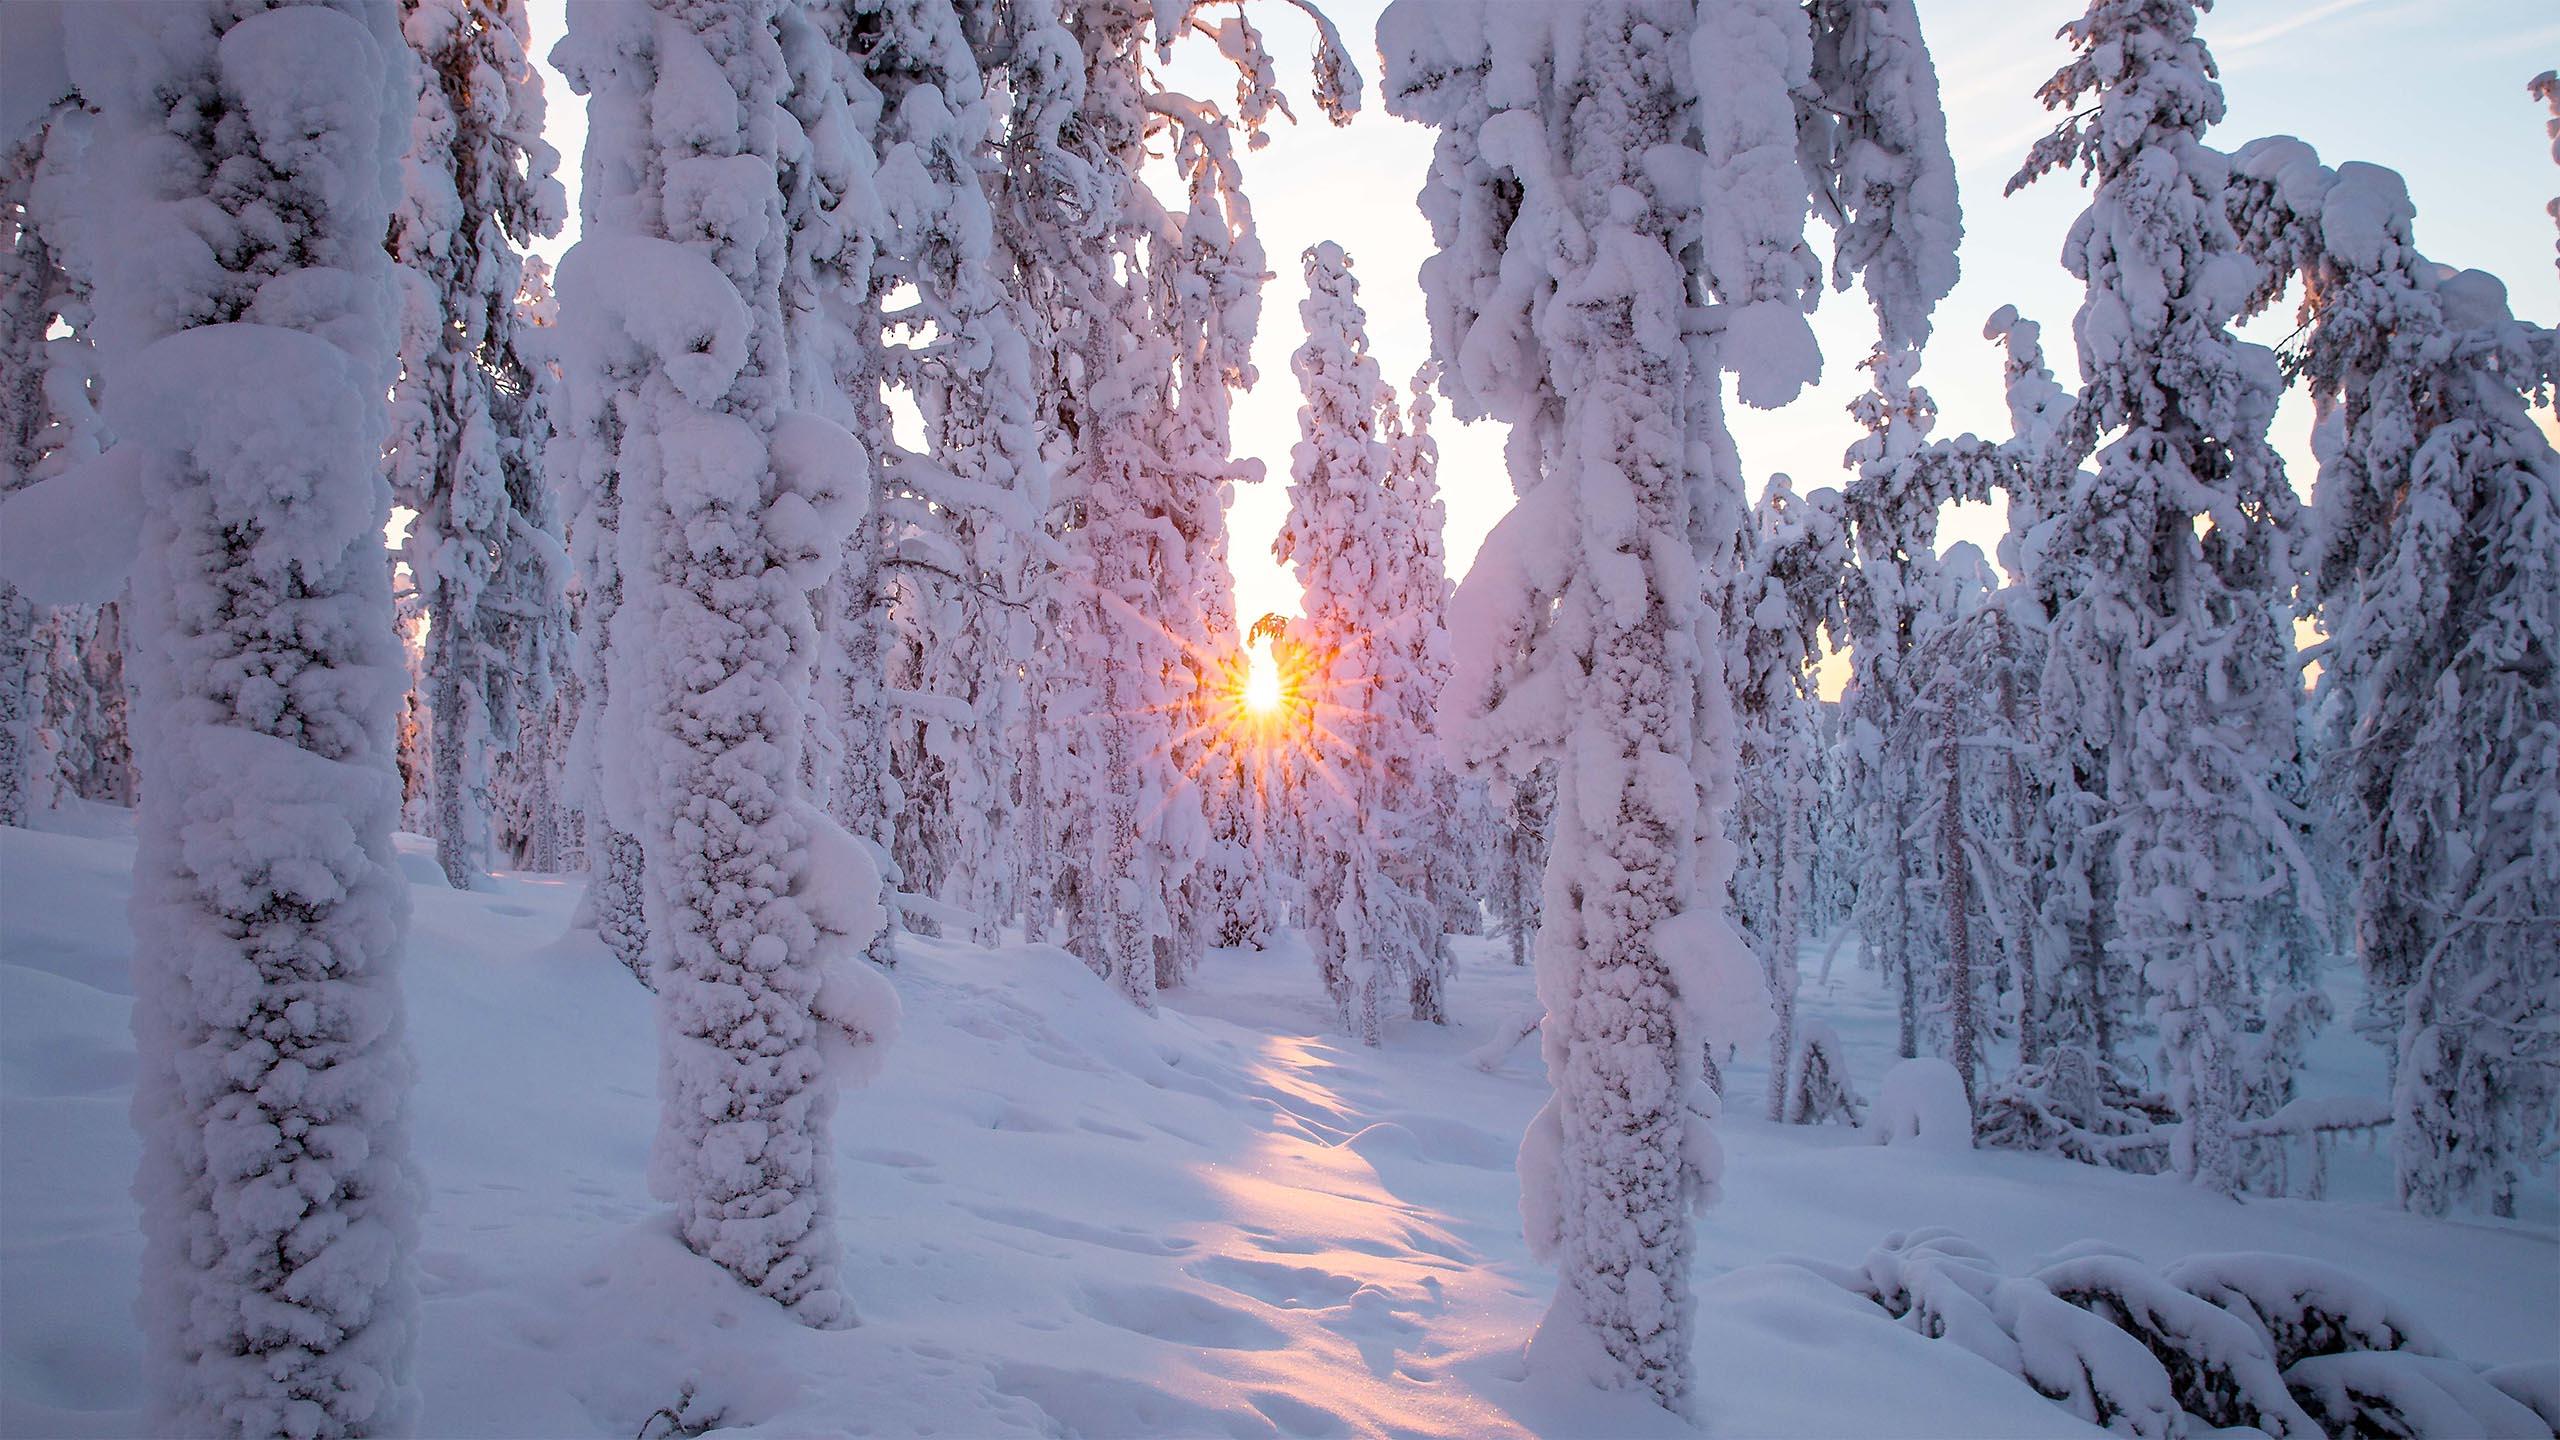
1062, 1217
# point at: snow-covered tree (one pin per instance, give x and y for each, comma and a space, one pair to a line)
1446, 806
1831, 885
2438, 579
28, 308
1893, 500
971, 552
832, 325
1619, 194
467, 425
245, 317
529, 804
1874, 134
1525, 810
2172, 666
1786, 588
732, 508
1945, 736
1578, 629
1365, 823
1588, 158
63, 730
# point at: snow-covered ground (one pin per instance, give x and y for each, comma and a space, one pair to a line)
1063, 1217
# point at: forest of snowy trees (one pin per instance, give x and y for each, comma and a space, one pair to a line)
835, 551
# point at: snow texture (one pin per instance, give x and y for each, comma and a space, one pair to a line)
1922, 1102
279, 1206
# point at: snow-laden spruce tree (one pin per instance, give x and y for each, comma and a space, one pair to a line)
1364, 821
1893, 498
63, 722
832, 328
1603, 173
1134, 816
1445, 804
246, 318
2076, 991
467, 429
2438, 580
2172, 665
1873, 114
30, 292
971, 501
733, 506
1524, 812
1943, 732
529, 803
1786, 588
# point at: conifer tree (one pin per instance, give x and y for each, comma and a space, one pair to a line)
980, 484
2171, 669
1365, 829
1569, 253
1786, 589
2438, 579
467, 424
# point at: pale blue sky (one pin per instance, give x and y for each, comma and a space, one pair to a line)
2431, 88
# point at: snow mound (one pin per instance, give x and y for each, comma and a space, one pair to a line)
1921, 1102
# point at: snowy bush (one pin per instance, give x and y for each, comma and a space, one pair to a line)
2400, 1395
2277, 1344
2075, 1103
1818, 1091
1922, 1102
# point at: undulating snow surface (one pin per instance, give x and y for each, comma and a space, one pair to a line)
1063, 1216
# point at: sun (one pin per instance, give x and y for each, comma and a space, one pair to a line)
1261, 680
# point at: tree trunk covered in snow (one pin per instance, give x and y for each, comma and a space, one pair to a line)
279, 1208
1956, 895
1786, 590
733, 509
1618, 196
2025, 968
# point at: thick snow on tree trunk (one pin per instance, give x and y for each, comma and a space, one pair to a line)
1618, 197
62, 698
733, 507
1520, 859
1955, 894
1580, 634
279, 1207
